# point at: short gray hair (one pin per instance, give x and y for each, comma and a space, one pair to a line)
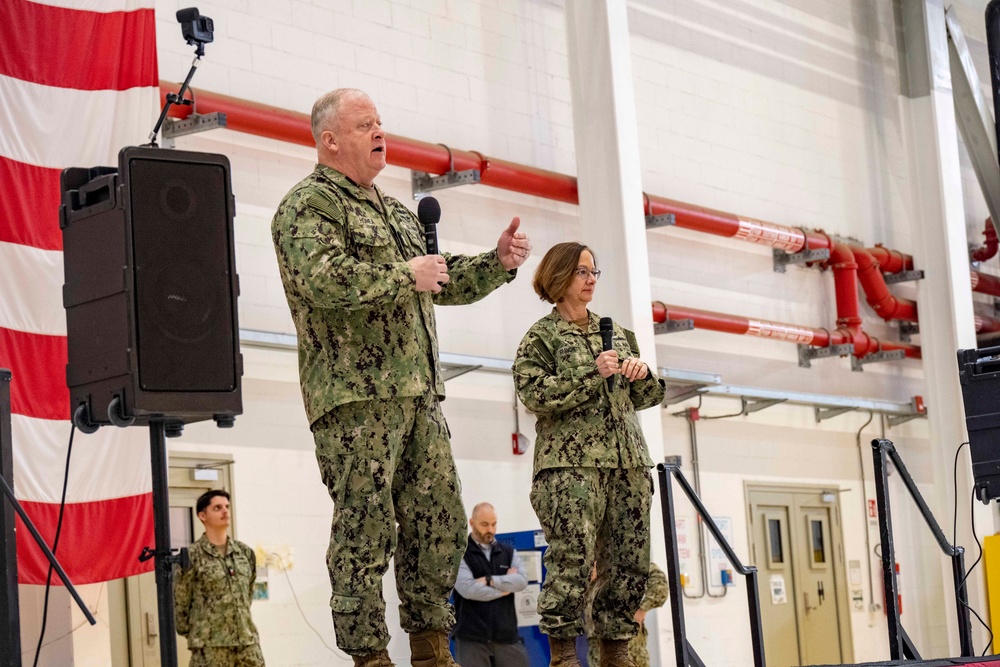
325, 109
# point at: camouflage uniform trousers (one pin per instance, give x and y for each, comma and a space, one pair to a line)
588, 514
227, 656
387, 463
657, 592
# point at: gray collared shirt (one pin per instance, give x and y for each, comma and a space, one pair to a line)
470, 589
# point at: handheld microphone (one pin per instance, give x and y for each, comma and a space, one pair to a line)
429, 212
607, 331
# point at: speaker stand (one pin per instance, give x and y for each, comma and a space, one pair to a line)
10, 628
164, 557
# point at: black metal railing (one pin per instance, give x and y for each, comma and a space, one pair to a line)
900, 645
685, 653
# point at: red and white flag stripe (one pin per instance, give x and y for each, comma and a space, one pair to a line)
78, 81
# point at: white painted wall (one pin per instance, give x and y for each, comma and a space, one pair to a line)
785, 110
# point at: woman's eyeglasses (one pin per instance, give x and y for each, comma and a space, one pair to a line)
585, 273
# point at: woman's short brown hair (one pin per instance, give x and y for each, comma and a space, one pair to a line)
557, 270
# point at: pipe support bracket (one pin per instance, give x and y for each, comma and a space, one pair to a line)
807, 353
907, 330
672, 326
903, 276
422, 183
783, 259
661, 220
827, 413
858, 363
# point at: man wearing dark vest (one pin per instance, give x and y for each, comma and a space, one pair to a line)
486, 621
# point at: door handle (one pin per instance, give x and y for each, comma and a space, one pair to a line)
152, 627
820, 592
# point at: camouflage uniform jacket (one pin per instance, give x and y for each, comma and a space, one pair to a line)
364, 332
580, 421
212, 597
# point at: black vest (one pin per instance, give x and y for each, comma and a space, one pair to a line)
493, 621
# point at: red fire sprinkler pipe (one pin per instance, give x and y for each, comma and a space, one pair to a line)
720, 223
275, 123
986, 324
890, 261
792, 333
845, 281
789, 239
989, 248
855, 264
852, 265
984, 283
887, 305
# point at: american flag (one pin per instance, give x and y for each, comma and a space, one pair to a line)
78, 81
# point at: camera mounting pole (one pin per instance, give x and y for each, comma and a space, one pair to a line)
198, 30
175, 98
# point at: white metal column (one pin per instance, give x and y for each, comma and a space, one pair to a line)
945, 299
609, 180
972, 112
607, 159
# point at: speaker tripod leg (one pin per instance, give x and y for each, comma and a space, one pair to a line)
163, 560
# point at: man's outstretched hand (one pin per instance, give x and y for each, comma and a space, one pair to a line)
513, 247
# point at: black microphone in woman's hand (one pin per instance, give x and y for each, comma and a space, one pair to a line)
429, 213
607, 331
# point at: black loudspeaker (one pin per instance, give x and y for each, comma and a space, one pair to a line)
979, 372
151, 290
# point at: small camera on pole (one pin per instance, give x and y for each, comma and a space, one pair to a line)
198, 31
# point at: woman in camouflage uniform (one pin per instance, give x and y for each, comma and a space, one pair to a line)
591, 488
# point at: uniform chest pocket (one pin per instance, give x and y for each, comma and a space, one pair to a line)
574, 355
215, 576
369, 233
243, 566
372, 242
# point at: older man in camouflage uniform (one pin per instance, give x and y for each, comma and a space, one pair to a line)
362, 290
212, 597
657, 592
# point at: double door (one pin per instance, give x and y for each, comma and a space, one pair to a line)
796, 544
133, 603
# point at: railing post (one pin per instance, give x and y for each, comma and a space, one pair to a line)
673, 563
756, 629
962, 602
888, 554
686, 656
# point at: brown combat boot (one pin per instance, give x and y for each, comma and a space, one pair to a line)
429, 648
614, 653
563, 652
377, 659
